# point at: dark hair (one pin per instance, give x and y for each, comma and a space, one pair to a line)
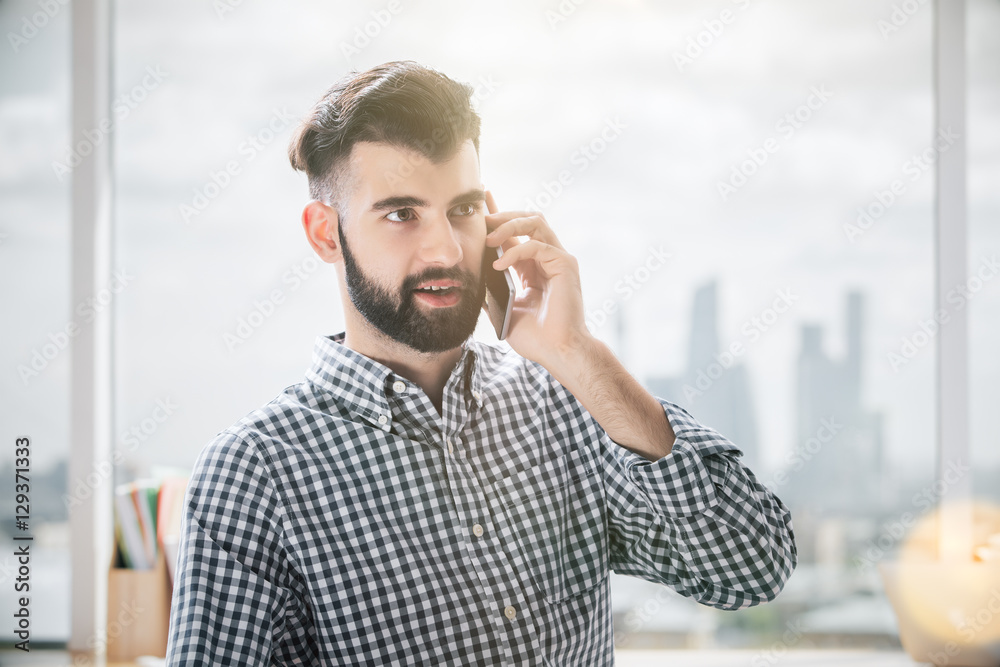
401, 103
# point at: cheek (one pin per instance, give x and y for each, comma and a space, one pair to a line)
386, 271
475, 244
474, 257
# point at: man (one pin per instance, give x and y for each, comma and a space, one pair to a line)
426, 498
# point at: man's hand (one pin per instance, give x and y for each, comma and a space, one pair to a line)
547, 322
548, 327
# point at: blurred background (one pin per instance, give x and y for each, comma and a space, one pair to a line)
748, 188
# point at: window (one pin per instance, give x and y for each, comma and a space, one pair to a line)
38, 320
748, 189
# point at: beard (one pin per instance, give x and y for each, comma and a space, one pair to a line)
399, 318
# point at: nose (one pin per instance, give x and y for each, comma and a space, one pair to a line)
439, 244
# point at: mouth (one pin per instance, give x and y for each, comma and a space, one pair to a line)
439, 293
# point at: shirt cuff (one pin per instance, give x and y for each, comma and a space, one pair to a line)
681, 483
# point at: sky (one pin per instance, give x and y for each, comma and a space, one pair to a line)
674, 97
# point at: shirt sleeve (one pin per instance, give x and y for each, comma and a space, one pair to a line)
234, 600
697, 520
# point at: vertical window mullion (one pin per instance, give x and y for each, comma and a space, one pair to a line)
952, 384
90, 371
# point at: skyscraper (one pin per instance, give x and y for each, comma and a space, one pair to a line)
838, 442
714, 389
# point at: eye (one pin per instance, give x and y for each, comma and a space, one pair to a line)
401, 215
467, 209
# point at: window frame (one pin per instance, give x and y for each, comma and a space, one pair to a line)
91, 229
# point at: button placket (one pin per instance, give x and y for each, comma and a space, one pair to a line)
489, 561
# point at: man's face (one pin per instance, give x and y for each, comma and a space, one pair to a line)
412, 225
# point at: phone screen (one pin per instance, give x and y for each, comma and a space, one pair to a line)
500, 292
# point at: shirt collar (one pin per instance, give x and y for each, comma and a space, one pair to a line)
363, 385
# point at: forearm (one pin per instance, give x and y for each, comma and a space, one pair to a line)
698, 520
728, 546
629, 414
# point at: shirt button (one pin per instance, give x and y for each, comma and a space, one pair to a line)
476, 395
382, 419
399, 387
510, 612
451, 447
477, 530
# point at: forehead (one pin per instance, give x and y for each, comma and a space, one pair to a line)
381, 170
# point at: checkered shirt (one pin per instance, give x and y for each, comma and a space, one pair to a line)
347, 522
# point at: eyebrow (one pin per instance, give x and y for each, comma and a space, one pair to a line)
409, 201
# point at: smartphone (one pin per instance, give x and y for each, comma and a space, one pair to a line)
500, 292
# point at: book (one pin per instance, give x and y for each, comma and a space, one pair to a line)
130, 541
168, 522
144, 495
171, 507
148, 515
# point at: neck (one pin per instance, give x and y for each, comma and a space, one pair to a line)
428, 370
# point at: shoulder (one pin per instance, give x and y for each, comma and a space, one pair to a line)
239, 453
289, 421
230, 460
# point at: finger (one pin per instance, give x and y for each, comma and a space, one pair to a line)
504, 216
548, 257
494, 217
533, 226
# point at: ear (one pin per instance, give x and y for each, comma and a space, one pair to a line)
320, 223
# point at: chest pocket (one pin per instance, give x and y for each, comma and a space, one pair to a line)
556, 513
